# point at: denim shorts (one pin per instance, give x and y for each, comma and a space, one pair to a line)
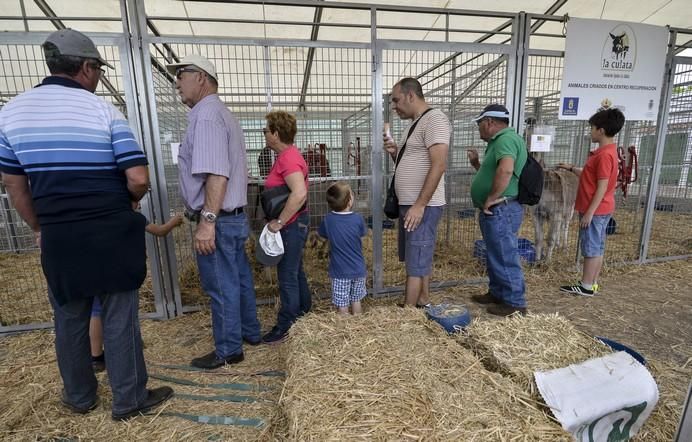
417, 248
347, 291
593, 237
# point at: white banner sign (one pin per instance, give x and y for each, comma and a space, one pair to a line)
612, 64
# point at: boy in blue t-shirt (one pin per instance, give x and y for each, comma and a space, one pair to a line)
344, 230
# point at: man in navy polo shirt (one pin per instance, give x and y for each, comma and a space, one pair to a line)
73, 171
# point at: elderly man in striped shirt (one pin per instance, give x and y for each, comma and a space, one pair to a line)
213, 184
73, 171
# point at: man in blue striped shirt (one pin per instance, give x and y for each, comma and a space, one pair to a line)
73, 171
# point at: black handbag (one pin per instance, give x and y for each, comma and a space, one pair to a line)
273, 201
391, 203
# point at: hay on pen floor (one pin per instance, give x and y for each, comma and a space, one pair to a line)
30, 386
390, 374
518, 346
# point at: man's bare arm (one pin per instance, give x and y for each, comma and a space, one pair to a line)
20, 195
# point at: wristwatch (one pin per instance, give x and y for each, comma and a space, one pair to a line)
208, 216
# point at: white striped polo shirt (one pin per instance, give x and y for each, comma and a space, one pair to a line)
433, 128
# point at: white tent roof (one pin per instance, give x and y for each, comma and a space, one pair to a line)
676, 13
220, 19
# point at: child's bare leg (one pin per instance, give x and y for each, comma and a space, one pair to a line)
356, 308
96, 336
592, 268
342, 310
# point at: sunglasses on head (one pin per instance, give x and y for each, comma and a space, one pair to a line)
179, 71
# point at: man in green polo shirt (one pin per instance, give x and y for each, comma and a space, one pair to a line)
494, 191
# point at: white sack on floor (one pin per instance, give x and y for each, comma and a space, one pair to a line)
602, 399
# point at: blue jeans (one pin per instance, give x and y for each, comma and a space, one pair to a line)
593, 237
227, 279
506, 279
122, 341
296, 299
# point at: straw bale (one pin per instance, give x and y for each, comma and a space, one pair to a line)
390, 374
517, 346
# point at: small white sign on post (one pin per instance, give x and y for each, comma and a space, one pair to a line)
540, 143
612, 64
542, 138
175, 148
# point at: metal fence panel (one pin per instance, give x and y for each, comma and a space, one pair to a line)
332, 109
671, 233
329, 86
571, 145
460, 84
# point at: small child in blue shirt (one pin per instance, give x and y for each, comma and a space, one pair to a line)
344, 230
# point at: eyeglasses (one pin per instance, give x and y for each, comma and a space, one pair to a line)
99, 67
481, 121
179, 71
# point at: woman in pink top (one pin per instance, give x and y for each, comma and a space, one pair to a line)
289, 169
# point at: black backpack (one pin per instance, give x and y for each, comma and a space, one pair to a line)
530, 182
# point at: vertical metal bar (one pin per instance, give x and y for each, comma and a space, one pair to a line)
11, 231
447, 29
519, 102
512, 68
268, 77
26, 22
133, 118
450, 159
168, 299
684, 431
661, 132
376, 158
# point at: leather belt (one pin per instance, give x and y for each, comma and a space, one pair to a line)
194, 215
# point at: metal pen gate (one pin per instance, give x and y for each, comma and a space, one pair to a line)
670, 236
460, 80
339, 93
253, 78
